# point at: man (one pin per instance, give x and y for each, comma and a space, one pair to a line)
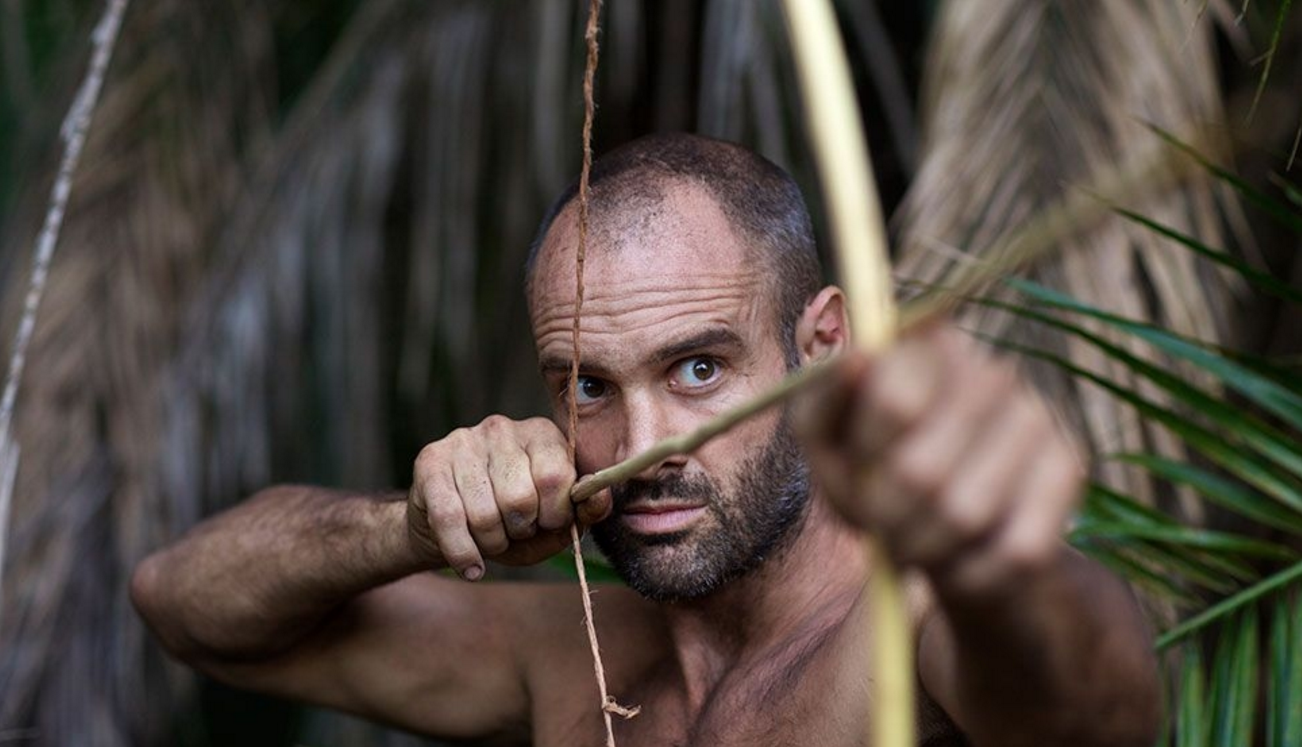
745, 620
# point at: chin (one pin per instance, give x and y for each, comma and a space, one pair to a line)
677, 567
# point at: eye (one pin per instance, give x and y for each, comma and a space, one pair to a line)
696, 372
590, 390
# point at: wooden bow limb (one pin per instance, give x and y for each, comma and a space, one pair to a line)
859, 238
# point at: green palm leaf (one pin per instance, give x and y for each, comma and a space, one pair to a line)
1284, 698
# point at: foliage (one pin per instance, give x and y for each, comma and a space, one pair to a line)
1241, 590
293, 255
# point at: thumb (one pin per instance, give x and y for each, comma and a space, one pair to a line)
595, 508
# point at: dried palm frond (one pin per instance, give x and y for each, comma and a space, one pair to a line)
1023, 101
366, 293
160, 164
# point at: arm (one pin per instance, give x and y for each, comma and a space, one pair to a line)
959, 469
1059, 655
251, 582
309, 593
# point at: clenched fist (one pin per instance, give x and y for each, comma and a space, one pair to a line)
499, 490
943, 453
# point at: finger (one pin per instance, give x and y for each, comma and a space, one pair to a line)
513, 490
896, 393
553, 475
446, 518
923, 464
482, 516
974, 504
820, 415
1031, 535
821, 418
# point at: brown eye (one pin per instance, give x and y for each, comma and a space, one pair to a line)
696, 372
703, 369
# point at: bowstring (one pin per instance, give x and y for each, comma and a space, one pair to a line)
608, 704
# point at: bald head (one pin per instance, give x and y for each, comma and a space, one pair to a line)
762, 203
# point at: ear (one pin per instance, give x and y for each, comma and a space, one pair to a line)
823, 329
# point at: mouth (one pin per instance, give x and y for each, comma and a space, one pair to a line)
661, 518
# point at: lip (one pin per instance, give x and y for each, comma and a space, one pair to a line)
654, 518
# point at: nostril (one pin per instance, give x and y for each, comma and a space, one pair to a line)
669, 468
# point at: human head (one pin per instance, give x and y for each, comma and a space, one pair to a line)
760, 199
702, 284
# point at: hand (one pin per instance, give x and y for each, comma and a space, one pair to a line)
499, 490
945, 455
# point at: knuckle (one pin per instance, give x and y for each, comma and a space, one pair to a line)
520, 526
495, 424
962, 522
916, 474
953, 341
457, 437
1027, 412
494, 544
1004, 378
552, 479
540, 426
517, 498
1027, 553
483, 522
442, 513
429, 459
901, 408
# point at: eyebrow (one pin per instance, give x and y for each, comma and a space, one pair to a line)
718, 337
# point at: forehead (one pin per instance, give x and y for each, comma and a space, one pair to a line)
682, 236
674, 258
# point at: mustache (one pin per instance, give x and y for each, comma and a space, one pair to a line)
671, 486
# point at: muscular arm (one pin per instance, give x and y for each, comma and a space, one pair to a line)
957, 467
306, 593
252, 581
319, 595
1058, 656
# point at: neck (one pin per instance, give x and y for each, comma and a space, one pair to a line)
802, 591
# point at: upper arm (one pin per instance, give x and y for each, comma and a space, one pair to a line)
426, 653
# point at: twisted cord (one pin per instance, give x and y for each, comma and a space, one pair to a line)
608, 704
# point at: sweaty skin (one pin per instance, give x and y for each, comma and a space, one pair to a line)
935, 447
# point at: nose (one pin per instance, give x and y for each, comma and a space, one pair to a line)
646, 422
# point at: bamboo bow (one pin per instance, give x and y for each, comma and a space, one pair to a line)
859, 238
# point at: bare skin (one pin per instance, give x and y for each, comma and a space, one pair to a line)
937, 449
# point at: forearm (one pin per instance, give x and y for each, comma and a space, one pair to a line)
1061, 655
253, 580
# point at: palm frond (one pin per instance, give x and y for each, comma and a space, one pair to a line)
88, 502
1018, 104
1240, 418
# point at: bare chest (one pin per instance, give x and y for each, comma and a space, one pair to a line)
807, 714
819, 707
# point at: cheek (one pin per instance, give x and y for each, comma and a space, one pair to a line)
598, 442
724, 457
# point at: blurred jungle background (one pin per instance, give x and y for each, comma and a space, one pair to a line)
293, 253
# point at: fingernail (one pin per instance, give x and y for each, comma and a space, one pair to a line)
473, 573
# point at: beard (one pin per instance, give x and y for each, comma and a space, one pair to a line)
741, 529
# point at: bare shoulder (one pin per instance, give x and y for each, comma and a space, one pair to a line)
630, 629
